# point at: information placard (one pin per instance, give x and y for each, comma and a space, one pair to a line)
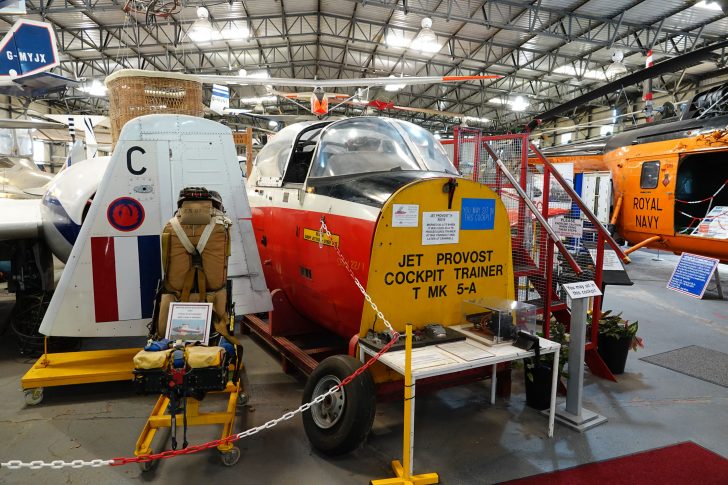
568, 227
611, 260
405, 215
189, 322
715, 224
477, 214
692, 274
440, 227
582, 289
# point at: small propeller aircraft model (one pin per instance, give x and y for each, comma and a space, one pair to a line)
319, 99
669, 177
27, 53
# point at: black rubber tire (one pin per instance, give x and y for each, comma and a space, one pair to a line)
355, 422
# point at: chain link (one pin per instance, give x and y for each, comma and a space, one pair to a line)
57, 464
325, 228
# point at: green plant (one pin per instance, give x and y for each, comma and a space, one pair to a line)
616, 327
558, 334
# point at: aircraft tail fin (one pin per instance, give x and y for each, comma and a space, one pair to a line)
75, 155
220, 100
92, 146
108, 286
29, 48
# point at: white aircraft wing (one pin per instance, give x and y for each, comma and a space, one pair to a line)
20, 219
30, 124
339, 83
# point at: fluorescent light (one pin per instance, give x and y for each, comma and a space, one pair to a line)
393, 88
95, 88
273, 123
437, 136
396, 38
426, 40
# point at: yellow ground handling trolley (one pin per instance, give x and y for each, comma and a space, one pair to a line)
183, 375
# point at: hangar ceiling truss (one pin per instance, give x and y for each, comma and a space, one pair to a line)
547, 50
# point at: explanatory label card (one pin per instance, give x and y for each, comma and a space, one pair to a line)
405, 215
440, 227
611, 260
692, 274
568, 227
582, 289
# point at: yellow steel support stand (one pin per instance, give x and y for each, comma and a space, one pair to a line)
404, 473
160, 418
82, 367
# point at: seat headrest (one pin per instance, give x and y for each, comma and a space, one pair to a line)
195, 212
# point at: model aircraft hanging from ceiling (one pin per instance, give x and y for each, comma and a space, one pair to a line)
319, 98
670, 177
27, 53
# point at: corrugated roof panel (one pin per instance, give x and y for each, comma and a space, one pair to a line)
650, 12
602, 8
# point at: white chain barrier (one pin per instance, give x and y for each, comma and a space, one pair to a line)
58, 464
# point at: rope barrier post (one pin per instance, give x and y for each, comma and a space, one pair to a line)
404, 472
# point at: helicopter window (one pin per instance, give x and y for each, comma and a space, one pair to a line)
430, 149
362, 145
650, 175
700, 177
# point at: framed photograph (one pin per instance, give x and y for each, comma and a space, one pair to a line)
189, 322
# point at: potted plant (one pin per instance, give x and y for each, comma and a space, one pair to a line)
538, 374
616, 336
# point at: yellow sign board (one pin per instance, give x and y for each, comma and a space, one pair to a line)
320, 238
433, 249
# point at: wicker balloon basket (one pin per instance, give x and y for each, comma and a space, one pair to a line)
134, 93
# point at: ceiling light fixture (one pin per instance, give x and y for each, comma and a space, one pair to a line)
616, 69
426, 40
201, 30
709, 5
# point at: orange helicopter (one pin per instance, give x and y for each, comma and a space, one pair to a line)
669, 177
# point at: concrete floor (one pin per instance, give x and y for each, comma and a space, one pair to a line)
459, 434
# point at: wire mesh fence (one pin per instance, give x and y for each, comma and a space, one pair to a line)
542, 263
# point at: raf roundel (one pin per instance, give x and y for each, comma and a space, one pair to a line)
125, 214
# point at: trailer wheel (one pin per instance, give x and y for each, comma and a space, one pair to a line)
342, 421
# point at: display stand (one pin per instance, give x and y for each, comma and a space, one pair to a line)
572, 414
404, 473
160, 418
82, 367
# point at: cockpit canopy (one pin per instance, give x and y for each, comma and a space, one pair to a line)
348, 147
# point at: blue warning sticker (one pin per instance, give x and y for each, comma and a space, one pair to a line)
477, 214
